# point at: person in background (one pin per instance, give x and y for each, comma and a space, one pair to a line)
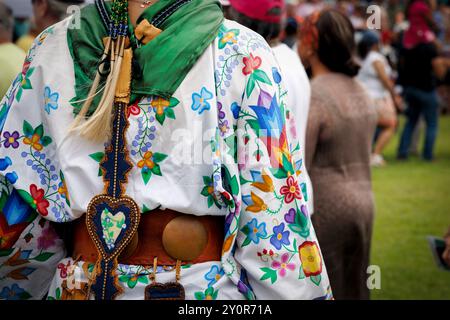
419, 68
341, 125
11, 57
446, 254
376, 76
264, 17
45, 14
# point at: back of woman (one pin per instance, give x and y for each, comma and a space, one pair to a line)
341, 130
341, 124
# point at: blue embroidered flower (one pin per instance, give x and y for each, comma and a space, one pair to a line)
279, 237
14, 293
213, 275
254, 231
235, 108
50, 100
200, 100
276, 75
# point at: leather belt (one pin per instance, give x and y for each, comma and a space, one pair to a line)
165, 234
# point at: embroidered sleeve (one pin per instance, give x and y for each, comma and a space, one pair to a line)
30, 249
28, 140
276, 243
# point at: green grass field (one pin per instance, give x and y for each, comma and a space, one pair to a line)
412, 201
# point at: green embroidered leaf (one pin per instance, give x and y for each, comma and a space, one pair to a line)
199, 296
301, 273
287, 165
39, 130
161, 118
27, 197
295, 228
261, 76
158, 157
205, 191
246, 242
6, 252
304, 191
44, 256
98, 156
316, 279
210, 201
58, 294
157, 170
27, 129
146, 175
254, 125
46, 141
269, 274
25, 296
27, 84
124, 278
245, 230
132, 283
19, 94
214, 295
173, 102
250, 85
207, 180
279, 173
170, 113
143, 279
29, 72
50, 298
234, 186
3, 200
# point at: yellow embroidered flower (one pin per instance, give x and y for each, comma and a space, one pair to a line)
34, 142
310, 258
159, 104
62, 190
258, 204
266, 185
229, 37
147, 161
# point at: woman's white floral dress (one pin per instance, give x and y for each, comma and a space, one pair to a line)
222, 145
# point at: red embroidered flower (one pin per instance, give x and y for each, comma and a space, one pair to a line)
251, 64
39, 201
291, 191
133, 110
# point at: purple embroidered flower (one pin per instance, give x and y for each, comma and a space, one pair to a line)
304, 210
47, 239
290, 216
280, 237
220, 111
11, 139
223, 126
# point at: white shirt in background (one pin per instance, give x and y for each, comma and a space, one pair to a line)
299, 95
368, 76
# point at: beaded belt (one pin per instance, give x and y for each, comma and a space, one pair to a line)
165, 234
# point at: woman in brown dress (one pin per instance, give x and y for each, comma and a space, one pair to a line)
341, 125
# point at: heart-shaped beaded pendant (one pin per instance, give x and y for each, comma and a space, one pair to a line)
111, 223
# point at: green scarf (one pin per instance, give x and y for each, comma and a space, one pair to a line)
164, 62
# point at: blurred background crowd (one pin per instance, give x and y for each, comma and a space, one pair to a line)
361, 76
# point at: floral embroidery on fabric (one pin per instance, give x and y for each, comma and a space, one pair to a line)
213, 275
149, 111
200, 101
50, 100
227, 36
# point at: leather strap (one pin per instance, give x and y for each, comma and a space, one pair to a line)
149, 242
